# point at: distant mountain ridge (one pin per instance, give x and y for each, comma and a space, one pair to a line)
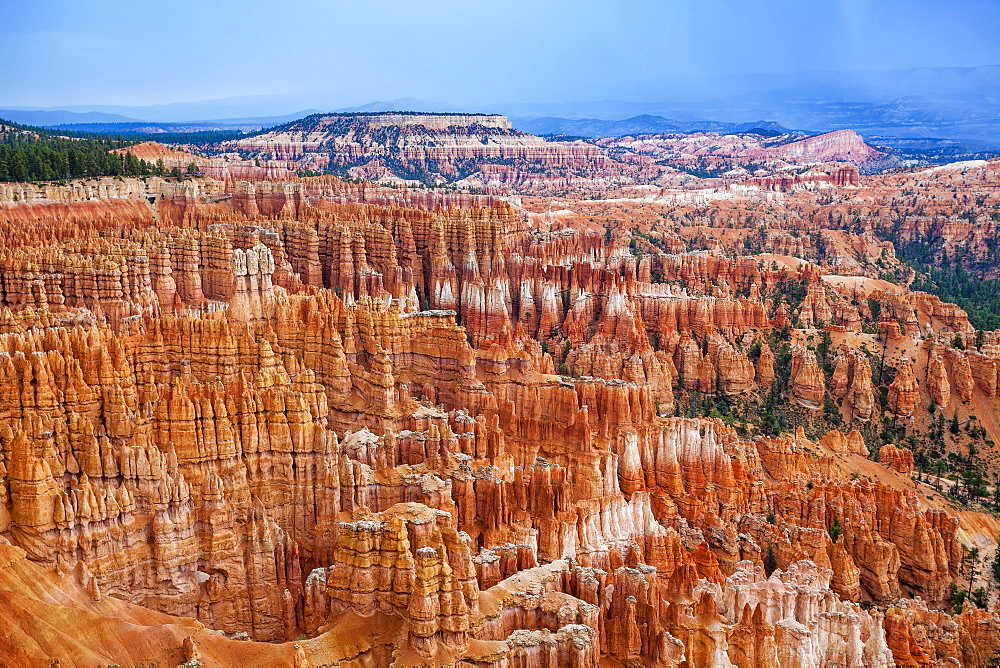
48, 118
941, 103
148, 127
642, 124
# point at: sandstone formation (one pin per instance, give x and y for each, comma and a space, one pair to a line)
904, 394
486, 152
807, 384
898, 459
839, 146
361, 424
937, 381
434, 148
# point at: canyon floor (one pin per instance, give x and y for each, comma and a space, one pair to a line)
480, 399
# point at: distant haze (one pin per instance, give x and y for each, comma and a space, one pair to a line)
906, 68
326, 54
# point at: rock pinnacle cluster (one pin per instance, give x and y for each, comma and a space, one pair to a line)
253, 418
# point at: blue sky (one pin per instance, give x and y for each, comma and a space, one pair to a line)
339, 53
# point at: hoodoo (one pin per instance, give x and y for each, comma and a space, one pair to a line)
375, 387
308, 410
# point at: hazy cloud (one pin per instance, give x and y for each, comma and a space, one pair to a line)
343, 52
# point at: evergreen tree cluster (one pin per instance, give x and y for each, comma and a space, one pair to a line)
32, 154
977, 296
957, 278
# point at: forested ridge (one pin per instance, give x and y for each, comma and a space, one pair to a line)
35, 154
976, 295
957, 277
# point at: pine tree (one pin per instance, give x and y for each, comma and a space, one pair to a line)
996, 565
18, 168
770, 560
836, 530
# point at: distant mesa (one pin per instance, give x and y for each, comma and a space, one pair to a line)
380, 119
488, 151
839, 146
408, 146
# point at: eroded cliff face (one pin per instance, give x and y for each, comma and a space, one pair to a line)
433, 148
441, 431
485, 152
839, 146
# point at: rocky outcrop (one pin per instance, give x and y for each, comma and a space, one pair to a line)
984, 371
918, 635
765, 367
436, 148
904, 393
778, 625
937, 381
420, 568
961, 371
851, 444
85, 630
898, 459
852, 382
861, 391
840, 145
815, 310
749, 162
807, 384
